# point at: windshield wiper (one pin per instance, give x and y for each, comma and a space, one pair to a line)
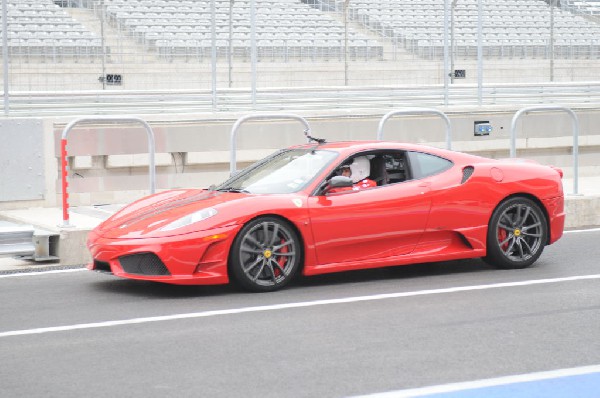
231, 189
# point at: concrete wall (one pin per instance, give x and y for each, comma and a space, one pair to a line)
149, 73
108, 163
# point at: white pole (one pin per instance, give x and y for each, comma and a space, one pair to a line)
5, 54
447, 66
479, 52
552, 5
253, 50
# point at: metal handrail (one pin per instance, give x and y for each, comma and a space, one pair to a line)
236, 125
189, 101
417, 111
575, 124
100, 119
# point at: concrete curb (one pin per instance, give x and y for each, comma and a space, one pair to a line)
582, 211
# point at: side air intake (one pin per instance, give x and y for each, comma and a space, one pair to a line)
467, 173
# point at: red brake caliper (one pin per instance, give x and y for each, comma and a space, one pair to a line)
282, 260
502, 235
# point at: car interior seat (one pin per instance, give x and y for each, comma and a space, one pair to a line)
378, 171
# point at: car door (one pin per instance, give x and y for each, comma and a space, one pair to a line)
370, 224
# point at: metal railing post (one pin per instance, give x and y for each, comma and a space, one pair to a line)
5, 56
448, 20
575, 124
63, 156
236, 125
417, 111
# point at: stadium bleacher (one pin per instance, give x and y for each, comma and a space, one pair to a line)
590, 7
284, 29
304, 30
510, 28
41, 29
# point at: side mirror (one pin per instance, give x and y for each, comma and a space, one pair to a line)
340, 182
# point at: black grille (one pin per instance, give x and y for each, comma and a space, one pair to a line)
143, 264
467, 173
101, 266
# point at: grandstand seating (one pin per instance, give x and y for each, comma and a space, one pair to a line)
284, 29
304, 29
41, 29
510, 28
591, 7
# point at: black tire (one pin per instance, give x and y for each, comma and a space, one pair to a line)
265, 255
517, 234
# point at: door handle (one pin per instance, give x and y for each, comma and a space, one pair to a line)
425, 185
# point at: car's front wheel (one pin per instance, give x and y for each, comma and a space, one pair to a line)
265, 255
517, 234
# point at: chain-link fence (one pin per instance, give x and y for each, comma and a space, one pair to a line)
124, 45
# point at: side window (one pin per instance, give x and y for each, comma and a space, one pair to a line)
425, 165
361, 172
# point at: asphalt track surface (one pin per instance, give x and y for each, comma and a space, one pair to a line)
444, 330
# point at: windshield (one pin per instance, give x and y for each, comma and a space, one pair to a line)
283, 172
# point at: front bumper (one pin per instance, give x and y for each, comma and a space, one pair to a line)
199, 258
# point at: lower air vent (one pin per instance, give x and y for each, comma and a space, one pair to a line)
467, 173
101, 266
143, 264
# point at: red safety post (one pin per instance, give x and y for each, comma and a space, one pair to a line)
65, 184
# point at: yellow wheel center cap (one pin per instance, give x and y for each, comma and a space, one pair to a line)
517, 232
267, 253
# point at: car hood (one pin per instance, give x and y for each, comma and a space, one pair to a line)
145, 217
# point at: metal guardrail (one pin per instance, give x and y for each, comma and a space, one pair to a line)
575, 124
277, 99
16, 240
417, 111
63, 155
27, 242
243, 119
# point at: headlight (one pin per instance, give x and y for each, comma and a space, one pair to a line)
190, 219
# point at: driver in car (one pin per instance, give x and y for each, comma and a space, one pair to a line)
358, 171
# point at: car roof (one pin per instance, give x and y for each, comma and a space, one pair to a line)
347, 147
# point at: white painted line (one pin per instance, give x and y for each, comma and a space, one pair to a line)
582, 230
276, 307
37, 273
470, 385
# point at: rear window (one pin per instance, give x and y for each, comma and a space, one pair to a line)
425, 165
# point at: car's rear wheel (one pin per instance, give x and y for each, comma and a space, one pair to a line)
265, 255
517, 234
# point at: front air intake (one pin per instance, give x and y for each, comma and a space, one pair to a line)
467, 173
102, 266
143, 264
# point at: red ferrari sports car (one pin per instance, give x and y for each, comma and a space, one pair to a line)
329, 207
